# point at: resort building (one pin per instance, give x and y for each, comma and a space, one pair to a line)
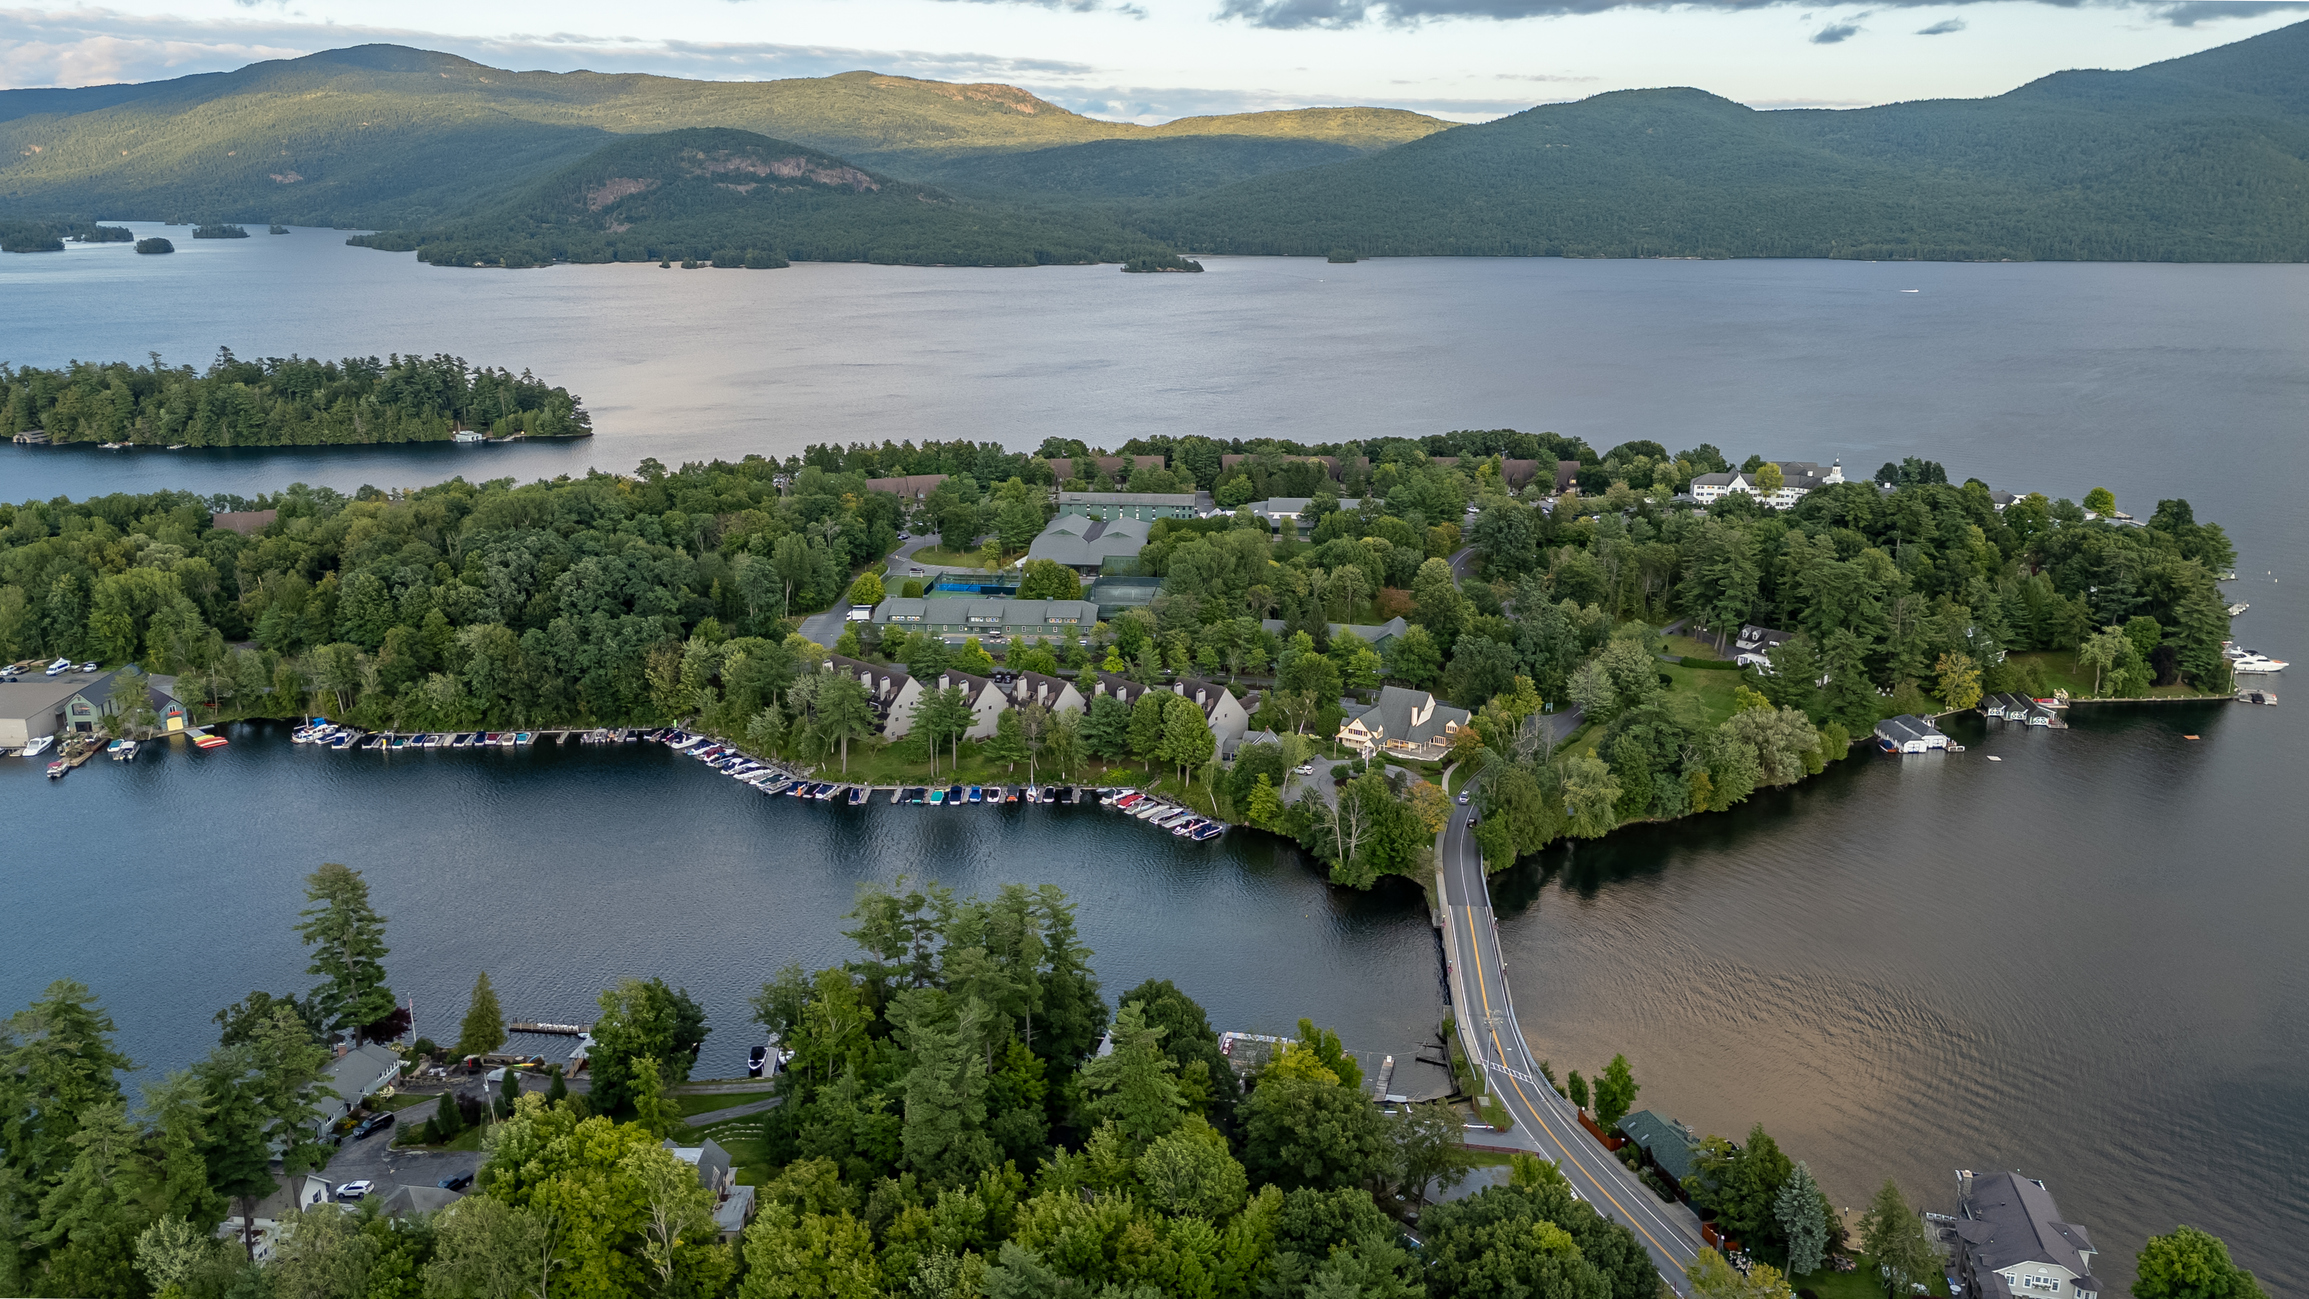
1085, 543
76, 703
1909, 733
1405, 723
986, 700
1135, 505
1224, 713
1798, 479
912, 487
1065, 469
1292, 510
888, 688
1054, 693
2010, 1241
1067, 620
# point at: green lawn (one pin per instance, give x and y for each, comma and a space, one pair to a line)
403, 1100
469, 1139
932, 555
1689, 648
1859, 1283
1712, 688
688, 1105
2061, 671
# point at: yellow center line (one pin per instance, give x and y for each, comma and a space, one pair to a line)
1483, 985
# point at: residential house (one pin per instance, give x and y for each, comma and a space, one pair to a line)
733, 1201
987, 702
1671, 1147
1229, 753
353, 1077
2010, 1241
245, 522
416, 1201
1065, 469
912, 487
1136, 505
76, 703
1229, 721
1798, 479
1120, 687
1566, 475
1065, 620
1054, 693
888, 688
1755, 644
1909, 733
1405, 723
1086, 542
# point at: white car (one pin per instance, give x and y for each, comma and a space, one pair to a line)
1305, 768
352, 1191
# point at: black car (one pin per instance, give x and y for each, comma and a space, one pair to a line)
456, 1182
373, 1123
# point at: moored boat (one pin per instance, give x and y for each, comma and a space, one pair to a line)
39, 746
57, 769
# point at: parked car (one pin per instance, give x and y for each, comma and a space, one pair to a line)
88, 667
373, 1123
352, 1191
456, 1181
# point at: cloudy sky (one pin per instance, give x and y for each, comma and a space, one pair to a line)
1151, 60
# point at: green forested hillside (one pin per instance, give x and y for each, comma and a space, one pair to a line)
2204, 158
382, 135
734, 197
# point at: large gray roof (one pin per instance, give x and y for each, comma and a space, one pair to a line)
1080, 541
1410, 716
2006, 1219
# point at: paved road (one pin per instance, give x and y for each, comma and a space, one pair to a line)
733, 1112
1544, 1121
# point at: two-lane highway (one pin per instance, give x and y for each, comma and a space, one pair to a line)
1544, 1121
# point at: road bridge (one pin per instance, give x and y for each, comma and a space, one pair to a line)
1545, 1123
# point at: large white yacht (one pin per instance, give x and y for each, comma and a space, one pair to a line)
2245, 661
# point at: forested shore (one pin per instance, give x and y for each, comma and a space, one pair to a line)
665, 595
276, 401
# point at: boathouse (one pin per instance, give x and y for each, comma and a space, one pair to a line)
1909, 733
77, 703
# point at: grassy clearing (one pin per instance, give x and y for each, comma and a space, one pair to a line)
1859, 1283
688, 1105
469, 1139
2060, 670
1713, 689
1690, 648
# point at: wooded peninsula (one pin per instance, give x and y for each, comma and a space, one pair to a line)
276, 402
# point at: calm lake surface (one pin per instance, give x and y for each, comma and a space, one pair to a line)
2086, 961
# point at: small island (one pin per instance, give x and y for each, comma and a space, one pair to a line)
1160, 262
292, 401
156, 244
219, 230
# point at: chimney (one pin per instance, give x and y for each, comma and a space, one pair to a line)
1200, 693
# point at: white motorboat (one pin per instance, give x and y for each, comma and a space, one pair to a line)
2252, 662
39, 746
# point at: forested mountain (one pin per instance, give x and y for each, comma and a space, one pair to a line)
736, 198
2204, 158
383, 135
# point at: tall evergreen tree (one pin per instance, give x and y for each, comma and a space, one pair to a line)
484, 1027
1073, 1014
1802, 1212
348, 941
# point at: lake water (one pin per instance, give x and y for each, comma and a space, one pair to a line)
2085, 960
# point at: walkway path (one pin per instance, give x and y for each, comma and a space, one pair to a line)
1545, 1123
733, 1112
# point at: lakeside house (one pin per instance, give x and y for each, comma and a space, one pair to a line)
1054, 693
2008, 1240
1063, 620
76, 703
888, 688
1085, 542
1135, 505
1224, 713
354, 1076
1668, 1145
733, 1200
1405, 723
1909, 733
245, 522
1798, 479
1755, 643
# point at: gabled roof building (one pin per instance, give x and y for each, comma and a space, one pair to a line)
1909, 733
1054, 693
888, 688
1405, 723
1086, 542
2011, 1243
1798, 479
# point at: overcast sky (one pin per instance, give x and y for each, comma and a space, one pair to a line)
1151, 60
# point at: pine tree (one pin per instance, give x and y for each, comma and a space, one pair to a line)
348, 941
1265, 805
1892, 1233
1073, 1014
484, 1028
1146, 725
1006, 746
1803, 1216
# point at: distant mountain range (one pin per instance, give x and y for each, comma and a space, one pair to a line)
2204, 158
